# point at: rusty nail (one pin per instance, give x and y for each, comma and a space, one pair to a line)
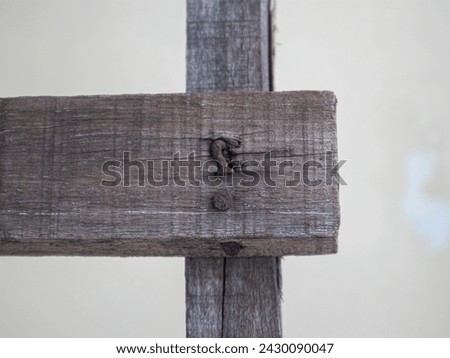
222, 200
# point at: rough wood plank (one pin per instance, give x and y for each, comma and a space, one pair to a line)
252, 295
228, 45
52, 150
204, 296
228, 49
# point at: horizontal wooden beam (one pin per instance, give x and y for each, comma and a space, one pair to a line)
103, 175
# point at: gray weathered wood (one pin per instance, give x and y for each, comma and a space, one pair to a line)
228, 49
228, 45
52, 150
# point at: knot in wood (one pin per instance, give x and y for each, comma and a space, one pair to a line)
231, 248
222, 200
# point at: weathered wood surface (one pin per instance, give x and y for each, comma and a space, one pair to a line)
228, 48
233, 297
52, 150
228, 45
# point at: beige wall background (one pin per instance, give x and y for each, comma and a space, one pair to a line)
389, 64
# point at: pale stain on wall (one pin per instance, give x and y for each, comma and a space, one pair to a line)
429, 216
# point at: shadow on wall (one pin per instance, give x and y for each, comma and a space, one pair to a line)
430, 218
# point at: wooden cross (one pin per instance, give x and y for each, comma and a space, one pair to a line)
231, 180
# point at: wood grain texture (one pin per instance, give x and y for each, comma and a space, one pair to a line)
228, 45
52, 150
228, 49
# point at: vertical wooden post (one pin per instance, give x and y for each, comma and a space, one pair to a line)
229, 48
